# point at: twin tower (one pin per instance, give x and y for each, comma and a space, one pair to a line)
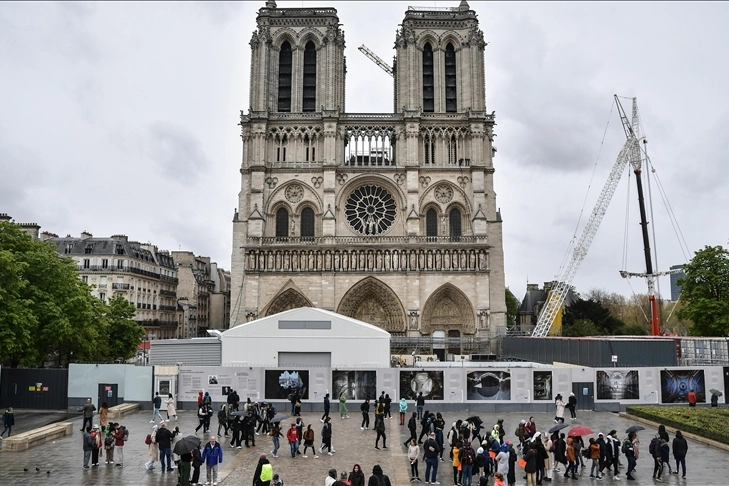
389, 218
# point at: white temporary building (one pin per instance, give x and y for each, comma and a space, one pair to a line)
306, 337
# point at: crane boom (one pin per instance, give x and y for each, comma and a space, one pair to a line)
556, 297
376, 59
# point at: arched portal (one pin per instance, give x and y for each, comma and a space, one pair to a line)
286, 300
371, 301
448, 309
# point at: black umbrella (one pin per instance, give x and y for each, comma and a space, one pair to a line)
475, 420
557, 428
238, 414
715, 392
634, 428
279, 418
186, 445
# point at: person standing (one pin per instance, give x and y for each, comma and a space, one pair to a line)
531, 464
663, 457
511, 476
326, 437
572, 405
388, 405
629, 451
119, 444
680, 449
559, 405
292, 436
327, 406
365, 408
9, 421
153, 453
88, 446
438, 427
104, 415
309, 441
109, 444
263, 468
212, 456
380, 429
403, 410
331, 477
164, 441
530, 428
88, 410
357, 477
196, 463
223, 419
413, 454
413, 428
343, 412
468, 459
98, 442
276, 435
714, 401
431, 451
184, 468
692, 398
157, 405
171, 410
420, 405
377, 478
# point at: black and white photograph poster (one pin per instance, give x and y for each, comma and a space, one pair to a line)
617, 385
488, 385
430, 383
543, 385
280, 384
356, 385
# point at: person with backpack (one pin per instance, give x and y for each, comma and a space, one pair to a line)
263, 474
212, 456
365, 408
468, 459
327, 406
380, 429
413, 428
153, 453
628, 450
97, 442
119, 438
109, 444
425, 424
207, 399
309, 441
378, 478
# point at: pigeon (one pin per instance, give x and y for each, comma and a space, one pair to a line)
48, 472
37, 469
25, 469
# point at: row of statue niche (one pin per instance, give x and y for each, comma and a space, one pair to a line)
317, 260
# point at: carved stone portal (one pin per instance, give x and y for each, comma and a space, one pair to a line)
372, 301
286, 300
448, 309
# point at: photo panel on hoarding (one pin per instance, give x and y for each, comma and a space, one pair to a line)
488, 385
280, 384
543, 385
430, 383
356, 385
675, 385
617, 385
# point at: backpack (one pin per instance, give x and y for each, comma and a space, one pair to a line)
148, 439
380, 408
481, 460
653, 448
126, 434
273, 411
624, 449
109, 441
207, 399
468, 456
266, 472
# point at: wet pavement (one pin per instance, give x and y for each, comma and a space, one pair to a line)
60, 463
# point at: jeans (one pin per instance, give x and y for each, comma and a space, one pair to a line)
8, 429
595, 471
420, 412
87, 458
276, 445
681, 460
631, 465
165, 454
467, 477
212, 473
294, 447
365, 419
431, 464
157, 414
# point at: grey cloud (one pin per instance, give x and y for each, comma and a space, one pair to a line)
175, 151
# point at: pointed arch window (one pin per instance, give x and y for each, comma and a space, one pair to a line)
282, 223
428, 79
284, 77
309, 94
431, 223
450, 79
307, 223
454, 222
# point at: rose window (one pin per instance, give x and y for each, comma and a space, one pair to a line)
370, 210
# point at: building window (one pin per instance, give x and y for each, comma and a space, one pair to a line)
453, 150
89, 249
428, 79
307, 223
69, 248
85, 279
454, 220
102, 296
428, 150
119, 250
309, 98
282, 223
87, 263
370, 210
284, 77
281, 148
450, 79
431, 222
104, 263
120, 264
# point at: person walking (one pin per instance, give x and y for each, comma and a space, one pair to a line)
88, 446
680, 449
309, 441
572, 405
326, 437
388, 405
380, 429
664, 436
88, 409
196, 463
292, 436
171, 410
157, 405
403, 410
571, 459
223, 419
343, 412
431, 451
164, 442
594, 449
365, 409
327, 406
468, 459
629, 450
185, 468
357, 477
264, 470
378, 478
9, 421
420, 405
276, 435
413, 428
413, 454
153, 448
212, 456
559, 405
202, 413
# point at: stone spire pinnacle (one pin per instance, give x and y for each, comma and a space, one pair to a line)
272, 3
464, 6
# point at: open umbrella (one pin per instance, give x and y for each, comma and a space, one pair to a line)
186, 445
279, 418
716, 392
579, 431
558, 427
475, 420
634, 428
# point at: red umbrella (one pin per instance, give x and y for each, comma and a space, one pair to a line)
580, 430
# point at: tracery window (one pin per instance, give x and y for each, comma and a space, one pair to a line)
431, 222
309, 85
450, 79
452, 150
282, 223
428, 150
284, 77
307, 223
428, 79
370, 210
454, 223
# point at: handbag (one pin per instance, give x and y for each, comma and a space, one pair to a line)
521, 463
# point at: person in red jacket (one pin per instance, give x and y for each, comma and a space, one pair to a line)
293, 437
691, 397
119, 444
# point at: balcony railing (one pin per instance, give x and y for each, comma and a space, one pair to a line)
168, 293
167, 308
344, 241
169, 279
120, 286
146, 273
156, 323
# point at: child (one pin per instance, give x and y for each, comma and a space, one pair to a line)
499, 479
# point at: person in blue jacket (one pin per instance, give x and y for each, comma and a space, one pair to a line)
212, 456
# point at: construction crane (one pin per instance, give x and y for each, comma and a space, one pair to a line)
630, 153
376, 59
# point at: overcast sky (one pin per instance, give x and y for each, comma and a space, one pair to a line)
120, 117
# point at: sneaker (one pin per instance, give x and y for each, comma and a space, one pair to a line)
330, 453
435, 482
333, 451
151, 421
630, 478
87, 467
257, 433
276, 456
215, 483
599, 478
321, 448
305, 456
239, 447
111, 462
616, 478
362, 428
321, 420
659, 480
384, 447
377, 448
674, 472
316, 457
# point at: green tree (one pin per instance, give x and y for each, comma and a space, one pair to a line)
121, 334
705, 291
512, 307
596, 313
580, 328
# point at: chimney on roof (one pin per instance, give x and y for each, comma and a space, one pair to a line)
32, 229
120, 237
5, 217
46, 235
532, 287
85, 235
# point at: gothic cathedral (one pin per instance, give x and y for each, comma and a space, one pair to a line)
389, 218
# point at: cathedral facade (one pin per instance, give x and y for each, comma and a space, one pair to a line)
389, 218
